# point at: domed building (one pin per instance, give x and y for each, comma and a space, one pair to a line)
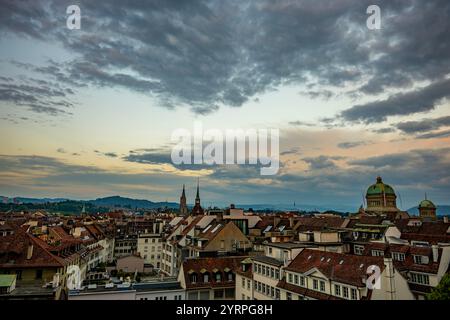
427, 210
381, 198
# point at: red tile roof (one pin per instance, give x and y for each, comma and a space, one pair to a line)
345, 268
196, 265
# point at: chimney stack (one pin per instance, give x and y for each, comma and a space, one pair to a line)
435, 250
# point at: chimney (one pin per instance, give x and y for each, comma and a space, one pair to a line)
435, 250
390, 280
30, 251
219, 216
291, 222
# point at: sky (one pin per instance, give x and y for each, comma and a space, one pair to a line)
89, 113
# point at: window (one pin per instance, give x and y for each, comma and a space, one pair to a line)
322, 286
243, 283
263, 287
272, 272
222, 244
205, 277
420, 278
315, 284
377, 253
359, 250
337, 290
398, 256
354, 294
277, 274
296, 279
418, 259
193, 278
270, 250
39, 274
290, 277
230, 276
218, 277
248, 284
288, 296
345, 290
302, 281
243, 297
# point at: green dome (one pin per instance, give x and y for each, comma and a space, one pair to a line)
379, 187
426, 204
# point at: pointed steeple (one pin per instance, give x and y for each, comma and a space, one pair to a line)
197, 210
183, 205
197, 197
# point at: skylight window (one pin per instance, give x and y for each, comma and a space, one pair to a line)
341, 262
267, 229
207, 228
216, 228
281, 228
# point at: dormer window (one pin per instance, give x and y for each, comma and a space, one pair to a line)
398, 256
377, 253
418, 259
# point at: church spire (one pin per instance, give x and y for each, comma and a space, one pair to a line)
183, 205
197, 197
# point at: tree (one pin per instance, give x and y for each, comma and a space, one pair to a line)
442, 291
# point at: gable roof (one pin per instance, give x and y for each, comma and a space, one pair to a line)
344, 268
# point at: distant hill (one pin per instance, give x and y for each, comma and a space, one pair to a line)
298, 207
117, 201
31, 200
442, 210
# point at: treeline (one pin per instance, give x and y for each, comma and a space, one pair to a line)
66, 207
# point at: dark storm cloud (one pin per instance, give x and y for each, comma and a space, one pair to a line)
24, 163
161, 156
407, 172
412, 127
300, 123
402, 104
205, 54
432, 135
36, 95
384, 130
353, 144
322, 162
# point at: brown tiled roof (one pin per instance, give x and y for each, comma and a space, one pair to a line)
408, 264
197, 265
345, 268
191, 225
14, 249
431, 232
317, 223
305, 292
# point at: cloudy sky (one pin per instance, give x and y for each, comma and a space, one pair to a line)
89, 113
